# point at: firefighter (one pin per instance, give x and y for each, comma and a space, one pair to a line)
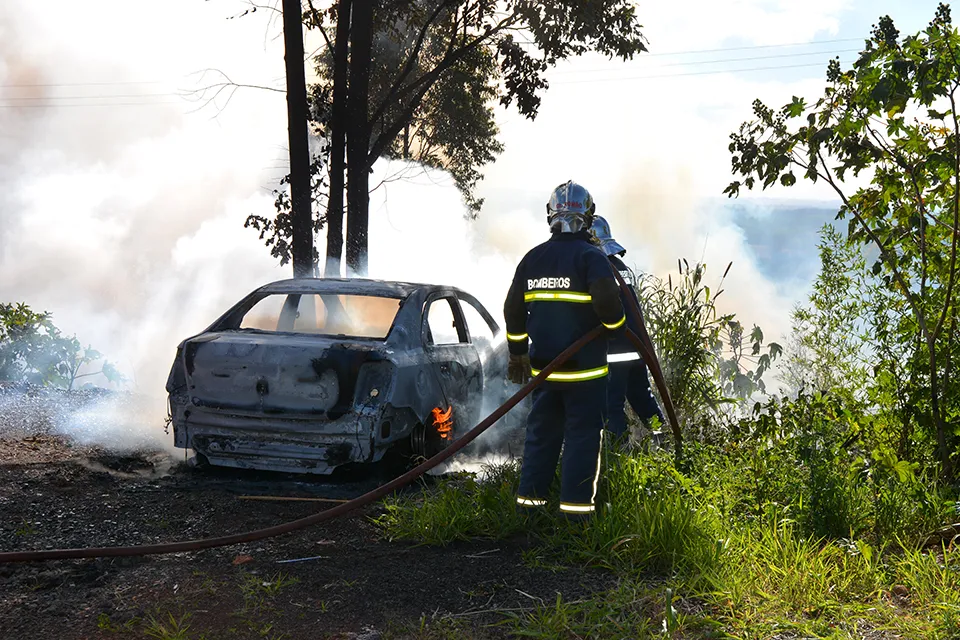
563, 289
628, 379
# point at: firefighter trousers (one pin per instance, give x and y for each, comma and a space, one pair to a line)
628, 382
567, 416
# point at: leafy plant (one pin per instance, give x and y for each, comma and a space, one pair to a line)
33, 350
170, 628
893, 118
708, 362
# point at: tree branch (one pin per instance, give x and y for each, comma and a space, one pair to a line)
201, 93
254, 8
317, 20
411, 61
947, 303
424, 84
454, 57
884, 252
387, 135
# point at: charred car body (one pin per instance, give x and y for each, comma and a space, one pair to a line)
309, 374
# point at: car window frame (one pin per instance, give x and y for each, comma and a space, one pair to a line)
492, 324
463, 333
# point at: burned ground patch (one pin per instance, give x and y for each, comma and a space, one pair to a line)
338, 580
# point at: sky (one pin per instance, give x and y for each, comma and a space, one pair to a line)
124, 187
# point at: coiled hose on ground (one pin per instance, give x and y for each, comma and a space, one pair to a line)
643, 345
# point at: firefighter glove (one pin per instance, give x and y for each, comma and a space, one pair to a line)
518, 369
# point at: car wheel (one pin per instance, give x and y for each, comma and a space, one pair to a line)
425, 442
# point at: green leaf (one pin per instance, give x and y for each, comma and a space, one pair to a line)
775, 350
111, 373
796, 107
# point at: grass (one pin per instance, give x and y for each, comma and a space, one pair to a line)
169, 628
428, 629
257, 615
632, 610
256, 589
26, 528
706, 554
460, 509
258, 608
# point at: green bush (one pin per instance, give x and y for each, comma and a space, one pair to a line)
33, 351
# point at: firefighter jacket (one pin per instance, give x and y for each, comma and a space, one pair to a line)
562, 289
620, 348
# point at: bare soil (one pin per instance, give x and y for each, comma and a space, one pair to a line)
346, 582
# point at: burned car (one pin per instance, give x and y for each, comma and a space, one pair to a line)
309, 374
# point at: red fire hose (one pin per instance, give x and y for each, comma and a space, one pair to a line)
323, 516
643, 345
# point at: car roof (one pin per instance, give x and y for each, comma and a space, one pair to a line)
356, 286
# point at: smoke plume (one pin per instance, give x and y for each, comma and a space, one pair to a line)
126, 220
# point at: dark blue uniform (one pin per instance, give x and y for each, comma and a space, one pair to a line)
563, 289
628, 381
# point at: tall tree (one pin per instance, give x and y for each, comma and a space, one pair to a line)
358, 134
436, 68
297, 114
338, 140
894, 117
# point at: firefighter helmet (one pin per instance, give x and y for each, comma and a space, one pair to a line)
604, 238
570, 208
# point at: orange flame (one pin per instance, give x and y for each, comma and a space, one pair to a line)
443, 422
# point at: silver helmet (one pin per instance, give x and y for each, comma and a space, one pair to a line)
604, 238
570, 208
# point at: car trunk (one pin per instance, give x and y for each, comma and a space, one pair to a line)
275, 373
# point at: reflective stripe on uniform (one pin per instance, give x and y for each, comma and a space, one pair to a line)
530, 502
573, 507
556, 296
623, 357
616, 325
596, 477
574, 376
517, 337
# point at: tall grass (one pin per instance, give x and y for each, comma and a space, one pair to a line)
839, 565
459, 508
647, 520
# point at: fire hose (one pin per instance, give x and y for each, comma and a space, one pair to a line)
643, 345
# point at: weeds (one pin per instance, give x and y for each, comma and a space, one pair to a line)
764, 538
459, 509
632, 610
170, 628
26, 528
428, 629
104, 623
255, 589
258, 594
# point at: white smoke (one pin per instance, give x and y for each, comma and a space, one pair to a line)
126, 222
121, 212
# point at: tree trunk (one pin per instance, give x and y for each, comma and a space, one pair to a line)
338, 141
938, 421
302, 219
358, 137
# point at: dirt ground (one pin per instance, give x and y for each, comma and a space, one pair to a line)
345, 580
